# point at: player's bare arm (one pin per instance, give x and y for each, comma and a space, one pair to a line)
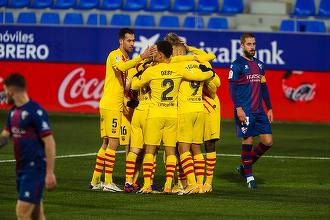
4, 138
50, 151
270, 115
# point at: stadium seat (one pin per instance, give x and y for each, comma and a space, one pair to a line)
217, 23
324, 9
50, 18
111, 4
193, 22
41, 4
6, 18
145, 21
159, 5
183, 6
288, 25
18, 3
314, 26
87, 4
3, 3
120, 20
97, 19
64, 4
232, 7
303, 26
26, 18
135, 5
304, 8
168, 21
73, 18
207, 6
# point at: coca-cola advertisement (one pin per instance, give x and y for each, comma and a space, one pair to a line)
295, 96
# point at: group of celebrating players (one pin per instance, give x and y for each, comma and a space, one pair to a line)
175, 103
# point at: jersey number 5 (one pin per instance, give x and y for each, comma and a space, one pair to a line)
170, 83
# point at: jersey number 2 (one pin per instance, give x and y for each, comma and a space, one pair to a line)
168, 90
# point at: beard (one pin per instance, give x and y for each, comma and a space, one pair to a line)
250, 54
10, 101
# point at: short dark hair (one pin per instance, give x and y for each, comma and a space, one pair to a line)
124, 31
165, 47
15, 80
246, 35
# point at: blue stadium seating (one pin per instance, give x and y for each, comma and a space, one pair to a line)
168, 21
304, 8
111, 4
232, 7
207, 6
6, 18
288, 25
217, 23
193, 22
145, 21
303, 26
87, 4
97, 19
64, 4
50, 18
183, 6
314, 26
3, 3
26, 18
120, 20
73, 18
324, 9
41, 4
135, 5
18, 3
159, 5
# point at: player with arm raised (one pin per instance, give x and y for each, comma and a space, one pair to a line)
164, 80
111, 107
34, 148
248, 88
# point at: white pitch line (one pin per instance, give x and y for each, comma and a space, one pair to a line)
222, 155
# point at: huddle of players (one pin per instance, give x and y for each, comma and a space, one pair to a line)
175, 103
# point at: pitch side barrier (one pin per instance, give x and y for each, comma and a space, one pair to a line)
64, 66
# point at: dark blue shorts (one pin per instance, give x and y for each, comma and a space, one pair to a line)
257, 123
30, 185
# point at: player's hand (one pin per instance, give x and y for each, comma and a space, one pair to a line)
241, 114
270, 116
50, 181
196, 59
149, 52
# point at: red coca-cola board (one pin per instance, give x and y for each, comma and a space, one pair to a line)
295, 96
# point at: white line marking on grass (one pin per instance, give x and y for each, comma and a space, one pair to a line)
222, 155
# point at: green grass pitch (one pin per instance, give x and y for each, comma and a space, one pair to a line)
288, 188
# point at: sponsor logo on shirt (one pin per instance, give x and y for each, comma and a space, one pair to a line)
253, 77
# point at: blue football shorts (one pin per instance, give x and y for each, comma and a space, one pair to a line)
30, 185
256, 124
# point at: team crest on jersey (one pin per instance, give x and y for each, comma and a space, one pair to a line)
260, 65
117, 58
231, 73
24, 115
